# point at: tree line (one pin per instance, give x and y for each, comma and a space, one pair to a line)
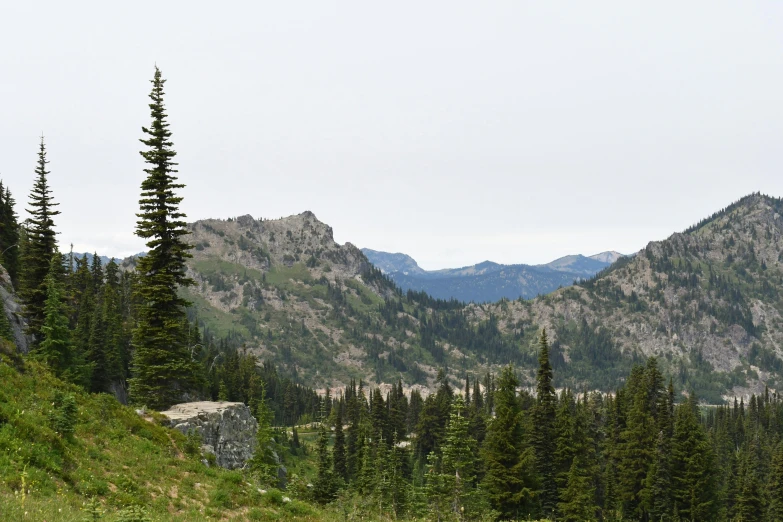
495, 451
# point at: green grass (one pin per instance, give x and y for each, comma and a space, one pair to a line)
116, 459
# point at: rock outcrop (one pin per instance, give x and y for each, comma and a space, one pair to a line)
13, 312
227, 429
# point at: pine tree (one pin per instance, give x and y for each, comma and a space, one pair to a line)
543, 436
509, 479
39, 247
162, 367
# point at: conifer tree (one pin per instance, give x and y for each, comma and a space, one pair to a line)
9, 235
436, 489
543, 436
578, 498
39, 247
56, 348
458, 461
692, 470
162, 367
263, 461
113, 338
325, 485
776, 486
509, 479
338, 451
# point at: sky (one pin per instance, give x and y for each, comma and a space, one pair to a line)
455, 132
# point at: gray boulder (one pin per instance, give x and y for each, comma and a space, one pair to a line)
227, 429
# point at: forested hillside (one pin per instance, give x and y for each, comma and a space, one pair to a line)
705, 301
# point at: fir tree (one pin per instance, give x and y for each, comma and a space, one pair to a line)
263, 462
775, 488
338, 451
162, 367
509, 463
578, 498
56, 348
692, 470
114, 338
458, 461
543, 436
325, 485
39, 247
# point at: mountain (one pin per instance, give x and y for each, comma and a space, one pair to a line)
607, 257
389, 263
488, 281
707, 302
582, 265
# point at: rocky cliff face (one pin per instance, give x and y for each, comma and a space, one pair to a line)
13, 312
227, 429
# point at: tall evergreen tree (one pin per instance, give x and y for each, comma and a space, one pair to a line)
692, 470
338, 451
162, 367
509, 479
458, 460
543, 436
325, 485
39, 247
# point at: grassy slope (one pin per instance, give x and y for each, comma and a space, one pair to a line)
115, 457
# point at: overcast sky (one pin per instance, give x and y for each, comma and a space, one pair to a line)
452, 131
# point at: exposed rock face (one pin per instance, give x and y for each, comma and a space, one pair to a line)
227, 429
13, 311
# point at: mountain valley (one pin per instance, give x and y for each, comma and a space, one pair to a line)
705, 301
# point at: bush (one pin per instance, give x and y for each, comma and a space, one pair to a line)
192, 445
133, 514
62, 418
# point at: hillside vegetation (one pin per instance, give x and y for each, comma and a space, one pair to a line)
67, 455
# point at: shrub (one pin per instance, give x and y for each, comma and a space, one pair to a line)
192, 445
62, 418
133, 514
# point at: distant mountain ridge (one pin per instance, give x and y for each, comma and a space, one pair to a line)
489, 281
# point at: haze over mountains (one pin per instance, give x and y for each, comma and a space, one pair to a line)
488, 281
